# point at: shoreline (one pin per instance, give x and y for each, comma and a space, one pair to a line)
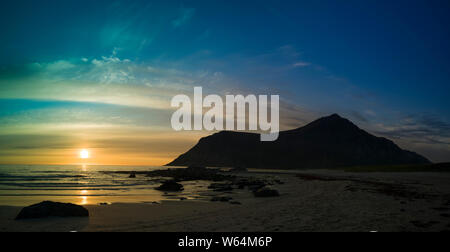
309, 201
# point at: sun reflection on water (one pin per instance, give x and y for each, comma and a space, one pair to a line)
84, 200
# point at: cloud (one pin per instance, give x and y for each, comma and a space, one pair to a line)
360, 117
127, 146
33, 141
59, 65
26, 113
51, 67
185, 15
427, 129
301, 64
288, 51
425, 133
108, 79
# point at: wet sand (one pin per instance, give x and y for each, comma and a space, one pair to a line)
309, 201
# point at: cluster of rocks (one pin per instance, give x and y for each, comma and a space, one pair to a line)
223, 182
251, 183
259, 187
191, 173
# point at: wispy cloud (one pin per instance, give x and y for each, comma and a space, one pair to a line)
301, 64
425, 133
185, 15
108, 79
419, 129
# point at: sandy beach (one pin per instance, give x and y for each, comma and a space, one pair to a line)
309, 201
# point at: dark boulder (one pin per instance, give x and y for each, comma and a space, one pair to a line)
55, 209
132, 175
170, 186
266, 192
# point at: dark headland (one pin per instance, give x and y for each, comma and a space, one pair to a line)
329, 142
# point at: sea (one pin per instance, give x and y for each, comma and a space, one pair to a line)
22, 185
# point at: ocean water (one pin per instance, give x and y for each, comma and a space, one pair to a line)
22, 185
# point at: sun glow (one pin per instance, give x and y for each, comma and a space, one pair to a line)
84, 154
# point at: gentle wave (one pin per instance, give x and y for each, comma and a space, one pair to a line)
38, 178
71, 189
27, 184
69, 184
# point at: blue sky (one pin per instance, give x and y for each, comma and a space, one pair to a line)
115, 64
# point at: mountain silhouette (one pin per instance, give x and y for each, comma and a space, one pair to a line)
328, 142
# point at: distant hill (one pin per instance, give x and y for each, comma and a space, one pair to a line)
328, 142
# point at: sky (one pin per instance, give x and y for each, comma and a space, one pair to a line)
99, 75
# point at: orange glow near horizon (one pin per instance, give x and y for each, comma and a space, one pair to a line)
149, 149
101, 157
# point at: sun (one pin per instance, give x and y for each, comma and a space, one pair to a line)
84, 154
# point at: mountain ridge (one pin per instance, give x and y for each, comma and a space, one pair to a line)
328, 142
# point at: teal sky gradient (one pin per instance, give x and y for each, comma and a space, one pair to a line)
108, 69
